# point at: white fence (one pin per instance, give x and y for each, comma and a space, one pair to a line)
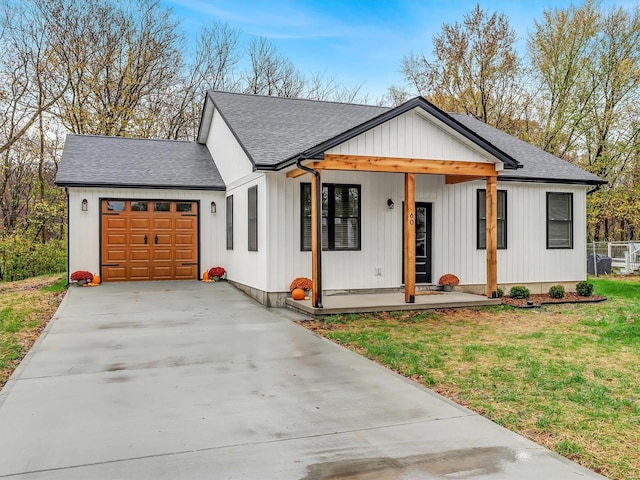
625, 256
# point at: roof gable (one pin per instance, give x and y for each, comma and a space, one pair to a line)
441, 118
414, 135
272, 129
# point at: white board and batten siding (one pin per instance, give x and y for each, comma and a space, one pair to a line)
411, 135
84, 227
243, 266
454, 226
231, 160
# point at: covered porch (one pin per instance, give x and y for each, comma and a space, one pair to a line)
390, 302
454, 172
413, 140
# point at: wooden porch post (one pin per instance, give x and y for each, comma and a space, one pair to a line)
409, 238
492, 236
316, 241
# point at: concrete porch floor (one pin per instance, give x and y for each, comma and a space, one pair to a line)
388, 302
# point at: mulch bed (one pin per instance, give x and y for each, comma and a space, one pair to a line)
540, 299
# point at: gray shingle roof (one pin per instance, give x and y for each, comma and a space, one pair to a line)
273, 129
536, 163
131, 162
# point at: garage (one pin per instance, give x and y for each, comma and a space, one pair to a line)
149, 239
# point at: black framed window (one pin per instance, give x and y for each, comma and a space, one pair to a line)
229, 213
559, 220
481, 234
341, 216
253, 218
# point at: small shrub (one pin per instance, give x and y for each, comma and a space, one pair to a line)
584, 289
519, 291
21, 258
556, 291
500, 292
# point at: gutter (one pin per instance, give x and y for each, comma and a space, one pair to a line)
594, 189
318, 265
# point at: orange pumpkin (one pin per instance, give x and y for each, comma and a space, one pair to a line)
96, 279
205, 276
297, 294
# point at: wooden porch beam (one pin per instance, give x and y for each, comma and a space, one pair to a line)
453, 179
409, 238
298, 172
492, 236
405, 165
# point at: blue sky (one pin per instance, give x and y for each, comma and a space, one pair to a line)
355, 41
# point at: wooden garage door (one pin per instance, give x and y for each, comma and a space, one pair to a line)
149, 240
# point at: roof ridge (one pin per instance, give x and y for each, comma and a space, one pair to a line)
300, 99
89, 135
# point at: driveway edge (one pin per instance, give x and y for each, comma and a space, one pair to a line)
17, 373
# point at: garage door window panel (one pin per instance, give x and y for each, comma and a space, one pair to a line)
139, 206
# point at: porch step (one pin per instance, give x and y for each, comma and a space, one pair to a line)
389, 302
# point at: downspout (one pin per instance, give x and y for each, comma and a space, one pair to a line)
318, 181
66, 191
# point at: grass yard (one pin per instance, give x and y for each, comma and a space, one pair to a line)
565, 376
25, 309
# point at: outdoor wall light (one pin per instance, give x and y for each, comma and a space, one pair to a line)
213, 207
390, 204
85, 205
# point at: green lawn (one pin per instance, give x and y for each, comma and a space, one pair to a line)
25, 309
566, 376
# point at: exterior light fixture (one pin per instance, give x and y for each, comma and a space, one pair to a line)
390, 204
85, 205
213, 207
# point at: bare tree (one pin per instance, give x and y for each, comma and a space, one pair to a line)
560, 49
118, 55
588, 64
475, 70
270, 73
175, 112
25, 90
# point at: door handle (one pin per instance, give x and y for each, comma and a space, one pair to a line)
145, 239
156, 239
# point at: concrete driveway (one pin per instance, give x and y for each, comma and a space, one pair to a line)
192, 380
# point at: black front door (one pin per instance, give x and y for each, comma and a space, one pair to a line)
423, 243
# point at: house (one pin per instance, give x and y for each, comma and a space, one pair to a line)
395, 196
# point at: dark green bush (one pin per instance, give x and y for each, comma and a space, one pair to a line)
556, 291
584, 289
519, 291
20, 258
500, 291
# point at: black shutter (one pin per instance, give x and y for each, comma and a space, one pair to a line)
253, 219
